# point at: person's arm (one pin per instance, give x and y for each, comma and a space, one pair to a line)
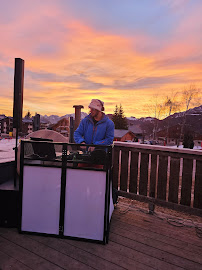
109, 136
79, 133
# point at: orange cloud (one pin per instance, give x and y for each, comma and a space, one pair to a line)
68, 62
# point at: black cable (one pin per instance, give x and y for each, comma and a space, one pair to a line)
177, 222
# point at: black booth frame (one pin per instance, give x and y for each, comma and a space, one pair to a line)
107, 168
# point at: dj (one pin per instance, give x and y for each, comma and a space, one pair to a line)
96, 128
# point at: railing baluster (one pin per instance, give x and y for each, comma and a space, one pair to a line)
144, 174
186, 181
119, 169
198, 185
174, 179
162, 177
124, 169
116, 167
153, 175
168, 179
149, 175
138, 174
128, 180
133, 172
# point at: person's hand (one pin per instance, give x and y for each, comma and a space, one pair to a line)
83, 148
91, 149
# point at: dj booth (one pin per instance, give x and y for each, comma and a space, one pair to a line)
66, 189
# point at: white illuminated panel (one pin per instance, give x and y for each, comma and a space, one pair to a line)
41, 199
85, 204
111, 205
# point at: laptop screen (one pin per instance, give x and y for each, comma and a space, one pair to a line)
43, 149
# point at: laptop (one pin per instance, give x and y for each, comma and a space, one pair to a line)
43, 149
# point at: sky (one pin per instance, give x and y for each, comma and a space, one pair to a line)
122, 52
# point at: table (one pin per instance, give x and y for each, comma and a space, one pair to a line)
60, 198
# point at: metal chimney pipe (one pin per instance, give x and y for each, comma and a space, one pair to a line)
77, 115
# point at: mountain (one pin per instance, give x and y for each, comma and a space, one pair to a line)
193, 121
53, 119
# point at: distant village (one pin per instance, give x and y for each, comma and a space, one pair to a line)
144, 130
31, 124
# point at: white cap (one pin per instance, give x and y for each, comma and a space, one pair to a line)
97, 104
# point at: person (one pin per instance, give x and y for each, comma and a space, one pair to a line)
96, 128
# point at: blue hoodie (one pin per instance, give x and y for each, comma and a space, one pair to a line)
100, 133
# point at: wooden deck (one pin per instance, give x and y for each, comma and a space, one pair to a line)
137, 241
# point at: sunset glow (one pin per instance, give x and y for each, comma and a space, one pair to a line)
117, 51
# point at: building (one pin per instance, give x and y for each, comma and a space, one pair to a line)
27, 126
123, 135
136, 130
62, 126
2, 116
44, 125
134, 133
6, 124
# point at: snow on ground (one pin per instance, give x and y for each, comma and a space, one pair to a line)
8, 154
198, 147
6, 150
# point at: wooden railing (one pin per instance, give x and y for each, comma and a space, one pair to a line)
162, 175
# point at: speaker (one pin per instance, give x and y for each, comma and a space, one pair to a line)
36, 122
18, 92
9, 208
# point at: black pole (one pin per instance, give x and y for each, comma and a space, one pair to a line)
16, 157
18, 104
71, 133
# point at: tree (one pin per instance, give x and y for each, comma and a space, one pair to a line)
155, 108
190, 96
28, 115
119, 119
171, 105
188, 140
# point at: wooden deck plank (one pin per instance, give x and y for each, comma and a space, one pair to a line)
24, 256
170, 259
108, 253
137, 241
154, 224
167, 231
170, 249
75, 251
61, 261
148, 260
7, 262
154, 235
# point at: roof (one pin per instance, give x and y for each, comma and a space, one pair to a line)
119, 133
2, 116
27, 120
135, 129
